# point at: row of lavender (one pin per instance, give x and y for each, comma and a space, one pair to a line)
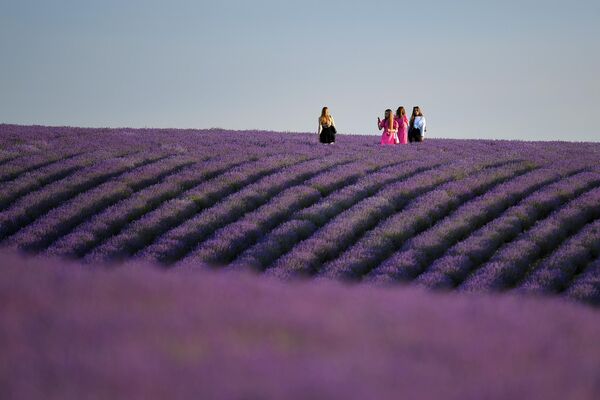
470, 215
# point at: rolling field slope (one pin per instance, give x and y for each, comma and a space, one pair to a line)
446, 214
213, 264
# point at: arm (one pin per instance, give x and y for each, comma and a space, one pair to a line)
319, 129
332, 122
379, 124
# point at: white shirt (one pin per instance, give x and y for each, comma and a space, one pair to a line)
420, 124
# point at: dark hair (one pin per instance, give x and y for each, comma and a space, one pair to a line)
400, 111
415, 113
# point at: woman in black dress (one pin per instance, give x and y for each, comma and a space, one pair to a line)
327, 128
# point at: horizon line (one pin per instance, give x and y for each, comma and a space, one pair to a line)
279, 131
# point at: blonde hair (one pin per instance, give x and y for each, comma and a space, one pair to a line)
390, 119
325, 118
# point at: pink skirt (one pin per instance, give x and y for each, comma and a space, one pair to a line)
403, 136
387, 139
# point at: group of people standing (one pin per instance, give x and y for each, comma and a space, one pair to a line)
397, 129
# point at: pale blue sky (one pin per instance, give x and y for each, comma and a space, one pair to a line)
479, 69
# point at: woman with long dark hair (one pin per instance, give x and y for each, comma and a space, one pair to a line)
417, 126
327, 128
389, 126
402, 120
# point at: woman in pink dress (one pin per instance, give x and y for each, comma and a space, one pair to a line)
390, 128
402, 120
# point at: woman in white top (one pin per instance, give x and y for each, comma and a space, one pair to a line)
417, 126
327, 128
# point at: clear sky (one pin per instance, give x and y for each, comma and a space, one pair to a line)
479, 69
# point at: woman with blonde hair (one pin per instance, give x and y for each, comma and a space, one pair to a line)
417, 125
389, 126
402, 125
327, 128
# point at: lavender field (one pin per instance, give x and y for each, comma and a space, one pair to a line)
468, 261
136, 332
449, 214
